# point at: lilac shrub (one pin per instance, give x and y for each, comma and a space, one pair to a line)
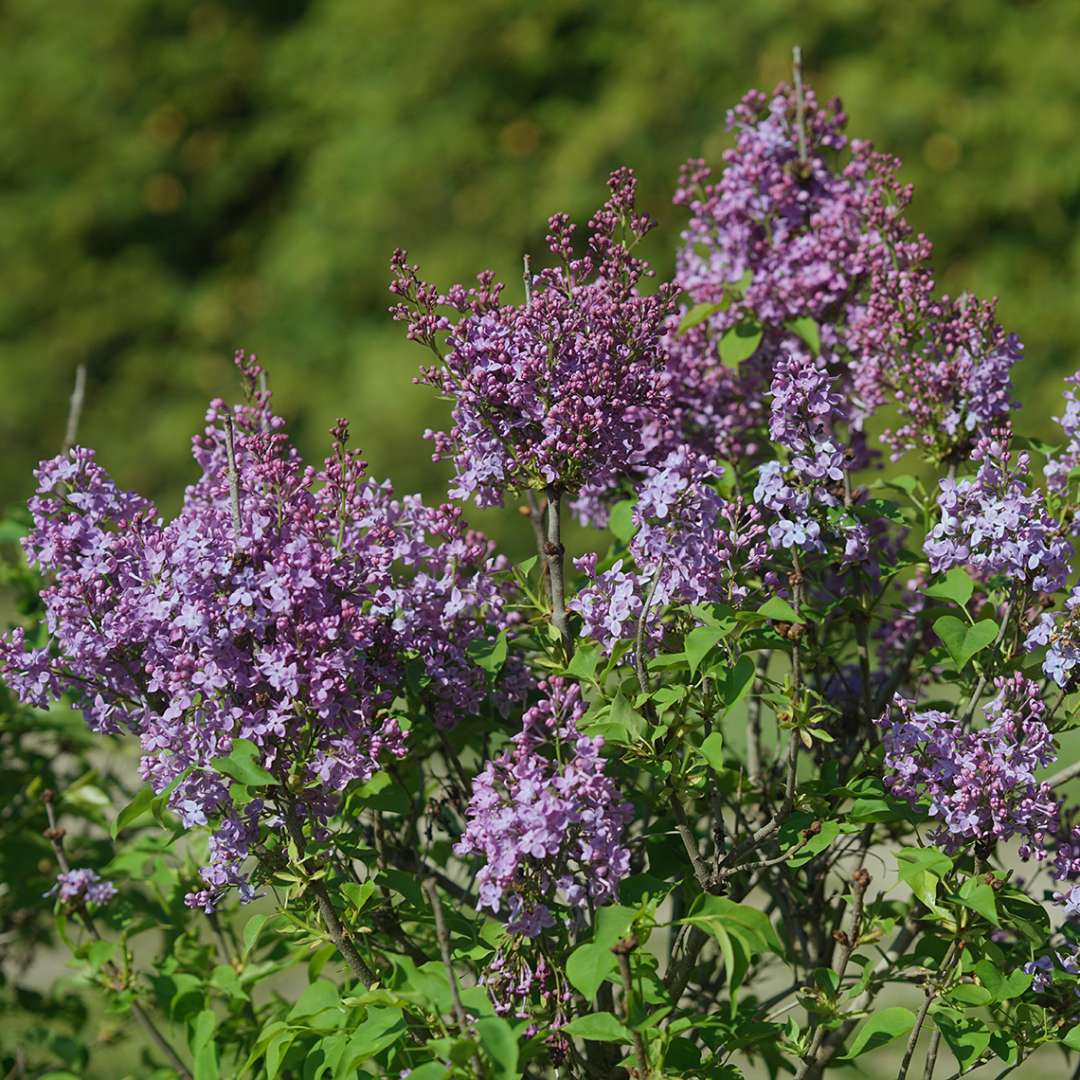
767, 773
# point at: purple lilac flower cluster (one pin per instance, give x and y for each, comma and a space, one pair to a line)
554, 391
980, 784
814, 473
688, 544
82, 886
1061, 464
545, 819
994, 524
1060, 632
805, 224
283, 613
1042, 968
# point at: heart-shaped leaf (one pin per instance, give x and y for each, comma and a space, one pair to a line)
964, 641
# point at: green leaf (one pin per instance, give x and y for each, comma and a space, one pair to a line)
498, 1042
1072, 1038
957, 587
598, 1027
739, 343
1002, 987
753, 926
922, 869
881, 1028
317, 998
489, 655
590, 964
738, 682
134, 810
381, 1028
778, 609
358, 895
700, 642
621, 521
712, 750
964, 641
808, 330
980, 897
252, 929
584, 662
241, 764
697, 315
967, 1037
202, 1029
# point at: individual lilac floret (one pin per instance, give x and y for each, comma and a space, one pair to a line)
980, 784
689, 542
545, 819
82, 887
1060, 632
994, 524
294, 627
553, 392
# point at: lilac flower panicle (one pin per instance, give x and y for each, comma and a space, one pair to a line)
1061, 464
1060, 633
82, 886
980, 784
994, 524
549, 830
294, 634
688, 547
554, 391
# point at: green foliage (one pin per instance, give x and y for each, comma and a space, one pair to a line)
181, 180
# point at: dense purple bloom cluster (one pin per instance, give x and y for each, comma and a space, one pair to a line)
286, 613
545, 819
688, 545
813, 473
995, 524
805, 224
82, 886
980, 784
554, 391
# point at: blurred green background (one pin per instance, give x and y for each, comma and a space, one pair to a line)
182, 179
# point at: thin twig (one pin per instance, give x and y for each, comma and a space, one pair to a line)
234, 477
553, 555
622, 950
639, 637
431, 891
859, 883
1063, 776
328, 913
931, 1055
753, 723
75, 407
800, 101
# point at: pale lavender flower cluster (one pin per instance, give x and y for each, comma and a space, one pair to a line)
1058, 468
994, 524
82, 886
293, 631
689, 547
1060, 632
554, 391
545, 819
802, 422
980, 784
